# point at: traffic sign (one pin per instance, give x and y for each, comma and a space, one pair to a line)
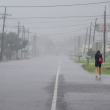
24, 51
97, 46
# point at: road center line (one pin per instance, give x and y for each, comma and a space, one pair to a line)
53, 107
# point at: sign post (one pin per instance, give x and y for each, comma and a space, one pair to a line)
88, 57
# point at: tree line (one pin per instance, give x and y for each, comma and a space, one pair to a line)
12, 44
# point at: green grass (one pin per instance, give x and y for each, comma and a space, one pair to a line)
4, 60
84, 61
107, 60
91, 68
106, 64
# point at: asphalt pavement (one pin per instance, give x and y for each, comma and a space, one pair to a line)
30, 85
80, 90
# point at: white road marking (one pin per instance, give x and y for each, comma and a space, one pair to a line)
53, 107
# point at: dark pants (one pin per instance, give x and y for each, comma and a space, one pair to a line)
97, 64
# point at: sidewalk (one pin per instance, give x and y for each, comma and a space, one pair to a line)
79, 90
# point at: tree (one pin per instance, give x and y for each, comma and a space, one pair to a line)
91, 53
12, 43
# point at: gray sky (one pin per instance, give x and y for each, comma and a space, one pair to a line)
53, 27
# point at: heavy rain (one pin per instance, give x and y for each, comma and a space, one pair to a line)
55, 55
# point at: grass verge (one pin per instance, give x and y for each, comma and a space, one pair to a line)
4, 60
107, 60
91, 68
84, 61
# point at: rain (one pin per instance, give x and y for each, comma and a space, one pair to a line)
55, 55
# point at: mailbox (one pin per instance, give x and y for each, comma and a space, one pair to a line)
79, 55
88, 57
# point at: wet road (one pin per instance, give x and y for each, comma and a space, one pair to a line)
32, 85
79, 90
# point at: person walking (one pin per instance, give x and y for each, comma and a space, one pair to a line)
98, 63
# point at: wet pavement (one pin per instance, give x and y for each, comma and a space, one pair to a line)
29, 85
80, 90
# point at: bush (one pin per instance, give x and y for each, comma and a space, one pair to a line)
90, 68
91, 53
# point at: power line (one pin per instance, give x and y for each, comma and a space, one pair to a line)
58, 5
67, 32
62, 21
51, 27
61, 27
57, 17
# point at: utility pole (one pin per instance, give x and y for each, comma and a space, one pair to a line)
22, 39
90, 35
64, 45
75, 47
85, 41
99, 37
24, 31
64, 42
94, 29
28, 42
18, 37
79, 47
32, 46
2, 38
104, 31
18, 28
35, 45
78, 44
70, 42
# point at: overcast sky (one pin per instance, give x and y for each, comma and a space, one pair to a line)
53, 27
